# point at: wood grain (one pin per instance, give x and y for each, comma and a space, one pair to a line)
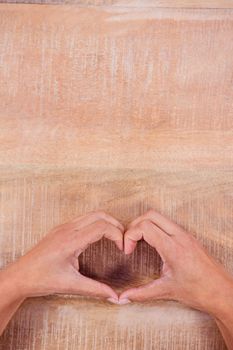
130, 328
192, 4
121, 109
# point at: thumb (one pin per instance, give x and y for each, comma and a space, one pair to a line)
89, 287
155, 290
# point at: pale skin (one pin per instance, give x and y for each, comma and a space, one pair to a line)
52, 265
189, 275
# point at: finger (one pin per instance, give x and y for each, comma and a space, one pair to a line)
167, 225
92, 217
90, 287
131, 237
152, 234
155, 290
97, 230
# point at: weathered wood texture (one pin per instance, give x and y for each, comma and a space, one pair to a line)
121, 109
195, 4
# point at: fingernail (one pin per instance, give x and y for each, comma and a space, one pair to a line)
124, 301
112, 300
127, 251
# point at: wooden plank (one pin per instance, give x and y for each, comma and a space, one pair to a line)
121, 109
76, 324
192, 4
42, 200
185, 95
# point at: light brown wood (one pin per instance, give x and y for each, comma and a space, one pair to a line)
121, 109
192, 4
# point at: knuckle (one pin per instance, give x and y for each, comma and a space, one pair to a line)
140, 225
100, 214
150, 212
144, 225
96, 213
101, 223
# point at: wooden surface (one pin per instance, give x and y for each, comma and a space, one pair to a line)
121, 109
194, 4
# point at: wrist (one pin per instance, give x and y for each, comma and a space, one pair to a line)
11, 285
221, 300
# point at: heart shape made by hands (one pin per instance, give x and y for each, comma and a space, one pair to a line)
157, 231
104, 262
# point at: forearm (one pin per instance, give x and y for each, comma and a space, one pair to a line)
227, 333
223, 312
10, 298
224, 321
7, 312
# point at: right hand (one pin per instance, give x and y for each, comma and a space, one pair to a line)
189, 274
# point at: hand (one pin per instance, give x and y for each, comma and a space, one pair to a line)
189, 274
52, 266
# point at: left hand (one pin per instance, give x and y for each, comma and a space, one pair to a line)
52, 265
